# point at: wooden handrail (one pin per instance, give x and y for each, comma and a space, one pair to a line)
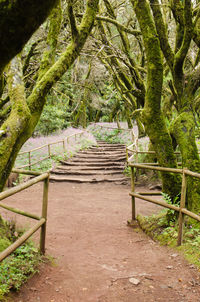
41, 220
181, 209
30, 164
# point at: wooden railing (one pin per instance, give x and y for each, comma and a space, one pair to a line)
42, 220
49, 152
181, 209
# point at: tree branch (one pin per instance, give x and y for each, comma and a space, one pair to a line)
36, 99
162, 33
181, 54
18, 21
72, 20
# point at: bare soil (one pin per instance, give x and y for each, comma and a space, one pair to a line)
97, 257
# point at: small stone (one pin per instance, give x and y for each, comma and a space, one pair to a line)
174, 255
169, 267
33, 289
134, 281
163, 286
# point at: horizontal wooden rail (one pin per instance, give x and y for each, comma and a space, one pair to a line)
191, 214
181, 209
105, 127
21, 240
193, 174
162, 169
27, 172
149, 193
34, 163
32, 150
17, 211
158, 202
30, 164
53, 143
23, 186
42, 220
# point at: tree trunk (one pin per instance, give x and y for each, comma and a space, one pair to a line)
183, 130
152, 116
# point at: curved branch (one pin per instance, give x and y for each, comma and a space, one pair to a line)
188, 33
72, 20
162, 33
36, 99
120, 26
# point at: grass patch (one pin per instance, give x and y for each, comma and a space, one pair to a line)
160, 229
111, 136
57, 155
20, 265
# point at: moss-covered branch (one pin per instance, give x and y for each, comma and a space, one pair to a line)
74, 29
188, 34
48, 58
14, 126
120, 26
36, 99
162, 33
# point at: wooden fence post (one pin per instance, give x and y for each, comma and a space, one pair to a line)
29, 160
49, 150
136, 157
182, 205
133, 214
64, 147
44, 215
127, 155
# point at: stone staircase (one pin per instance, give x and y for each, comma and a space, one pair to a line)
102, 163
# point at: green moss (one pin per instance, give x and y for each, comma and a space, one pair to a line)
165, 232
4, 243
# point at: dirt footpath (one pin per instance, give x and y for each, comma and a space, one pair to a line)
97, 257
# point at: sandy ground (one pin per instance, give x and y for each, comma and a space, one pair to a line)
97, 257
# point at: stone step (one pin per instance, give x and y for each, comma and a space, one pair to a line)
96, 179
92, 172
97, 160
87, 168
100, 157
92, 164
102, 143
103, 163
101, 152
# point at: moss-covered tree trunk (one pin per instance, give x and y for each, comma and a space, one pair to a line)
152, 116
184, 85
183, 130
